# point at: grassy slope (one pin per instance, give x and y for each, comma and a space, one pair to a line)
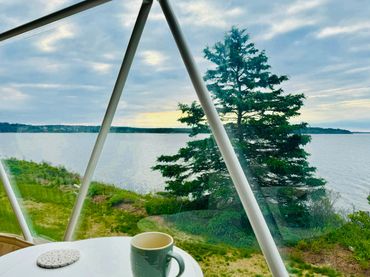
48, 194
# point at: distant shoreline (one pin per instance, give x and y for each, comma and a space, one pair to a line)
27, 128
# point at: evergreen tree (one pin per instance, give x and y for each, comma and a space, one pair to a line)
256, 113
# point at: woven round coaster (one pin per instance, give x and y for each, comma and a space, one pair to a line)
58, 258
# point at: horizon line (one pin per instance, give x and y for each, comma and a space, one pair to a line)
156, 127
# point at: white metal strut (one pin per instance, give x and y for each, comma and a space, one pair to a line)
15, 205
108, 117
240, 181
238, 177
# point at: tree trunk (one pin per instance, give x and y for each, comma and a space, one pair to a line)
239, 127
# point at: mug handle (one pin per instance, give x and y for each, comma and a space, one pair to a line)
179, 260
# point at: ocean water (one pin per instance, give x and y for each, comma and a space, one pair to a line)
343, 160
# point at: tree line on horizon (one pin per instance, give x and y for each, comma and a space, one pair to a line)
6, 127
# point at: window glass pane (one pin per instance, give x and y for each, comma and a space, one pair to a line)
281, 66
18, 12
303, 178
54, 82
9, 222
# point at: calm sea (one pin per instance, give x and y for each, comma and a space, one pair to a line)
343, 160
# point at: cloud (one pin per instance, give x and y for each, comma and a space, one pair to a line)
360, 48
131, 10
339, 93
302, 6
128, 17
45, 65
153, 57
111, 56
51, 42
329, 73
357, 104
344, 29
9, 22
357, 70
55, 86
156, 15
287, 25
335, 104
12, 99
335, 67
207, 14
53, 5
196, 13
356, 110
154, 119
39, 8
291, 17
102, 68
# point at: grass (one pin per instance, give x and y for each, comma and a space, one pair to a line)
47, 195
215, 227
299, 267
220, 259
216, 259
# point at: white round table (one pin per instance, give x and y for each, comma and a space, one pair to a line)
105, 257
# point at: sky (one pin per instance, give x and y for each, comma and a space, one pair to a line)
64, 73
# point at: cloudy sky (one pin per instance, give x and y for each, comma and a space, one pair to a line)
64, 73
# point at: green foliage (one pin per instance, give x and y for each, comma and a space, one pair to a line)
121, 198
110, 190
322, 213
40, 173
201, 250
167, 204
256, 113
116, 199
98, 189
159, 206
227, 227
114, 195
354, 235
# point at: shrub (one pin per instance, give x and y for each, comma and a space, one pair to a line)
163, 203
323, 214
354, 235
120, 198
96, 189
160, 205
116, 200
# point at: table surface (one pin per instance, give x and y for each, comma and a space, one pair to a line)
99, 257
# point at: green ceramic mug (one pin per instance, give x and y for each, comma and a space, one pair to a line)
151, 253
